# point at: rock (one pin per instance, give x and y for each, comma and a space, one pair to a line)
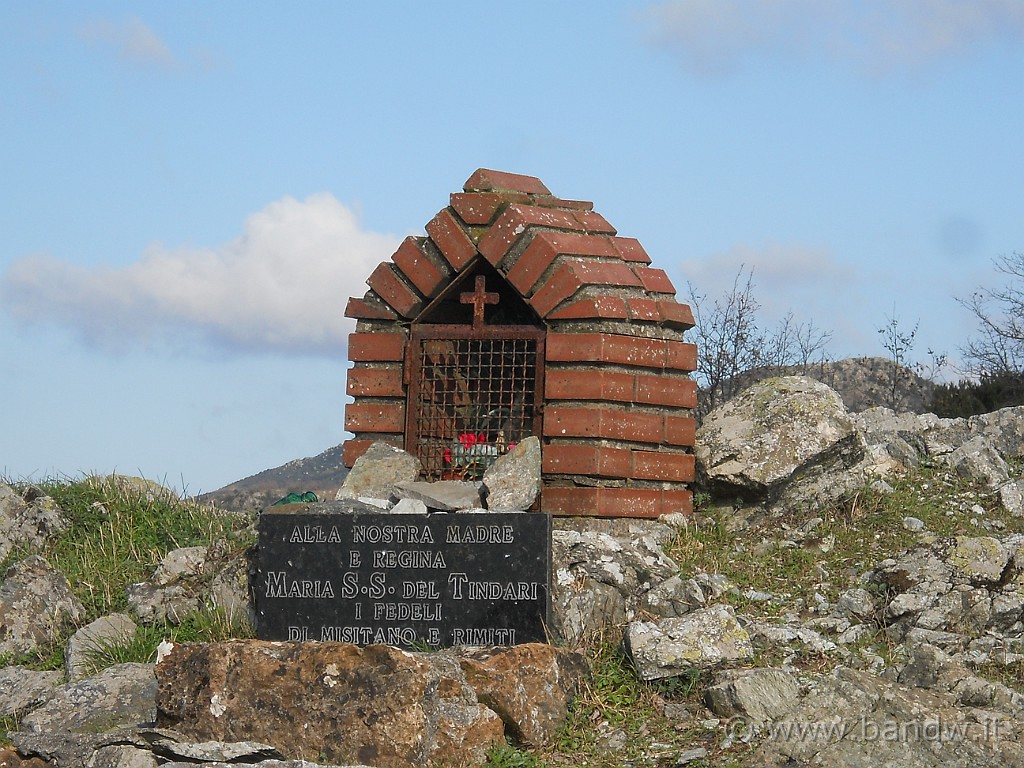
22, 690
852, 719
775, 433
1011, 496
674, 597
443, 496
1003, 429
121, 695
703, 638
178, 564
378, 471
529, 686
378, 705
83, 646
978, 460
913, 524
765, 635
757, 695
36, 605
856, 602
27, 521
979, 560
513, 482
409, 507
598, 580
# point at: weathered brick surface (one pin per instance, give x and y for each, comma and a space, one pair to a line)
477, 207
592, 308
394, 291
573, 275
592, 221
375, 382
607, 423
621, 349
514, 221
451, 239
676, 315
595, 460
375, 416
376, 347
543, 250
418, 269
656, 465
629, 249
615, 502
665, 390
654, 280
364, 309
487, 180
596, 384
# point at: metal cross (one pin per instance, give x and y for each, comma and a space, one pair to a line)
478, 298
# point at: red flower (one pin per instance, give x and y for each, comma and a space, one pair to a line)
447, 455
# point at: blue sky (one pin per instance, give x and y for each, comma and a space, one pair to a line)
192, 190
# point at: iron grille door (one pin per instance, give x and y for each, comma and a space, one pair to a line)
473, 394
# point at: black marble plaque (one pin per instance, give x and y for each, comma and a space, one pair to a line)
406, 580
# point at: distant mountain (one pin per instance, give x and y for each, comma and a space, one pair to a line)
322, 474
862, 383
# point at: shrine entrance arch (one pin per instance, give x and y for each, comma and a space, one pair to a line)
475, 376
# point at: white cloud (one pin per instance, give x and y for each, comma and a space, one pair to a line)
281, 286
133, 41
717, 36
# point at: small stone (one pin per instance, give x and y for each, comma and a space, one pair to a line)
856, 602
36, 605
913, 524
409, 507
691, 756
513, 482
84, 646
446, 496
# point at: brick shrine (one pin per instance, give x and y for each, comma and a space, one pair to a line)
522, 313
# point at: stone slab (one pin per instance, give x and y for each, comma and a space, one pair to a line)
405, 580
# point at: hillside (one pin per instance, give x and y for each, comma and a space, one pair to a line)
322, 474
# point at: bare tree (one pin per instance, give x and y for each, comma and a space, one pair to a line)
999, 347
730, 341
898, 343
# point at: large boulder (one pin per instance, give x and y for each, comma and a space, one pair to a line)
779, 434
376, 704
36, 605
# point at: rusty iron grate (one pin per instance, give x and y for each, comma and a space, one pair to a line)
472, 399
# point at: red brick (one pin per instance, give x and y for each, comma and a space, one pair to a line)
681, 356
680, 430
576, 205
593, 308
643, 309
629, 249
674, 391
615, 502
606, 348
376, 347
353, 449
393, 290
375, 382
417, 268
583, 384
476, 207
592, 221
486, 180
451, 239
676, 315
669, 467
382, 416
592, 460
654, 280
573, 275
365, 309
633, 426
543, 250
514, 221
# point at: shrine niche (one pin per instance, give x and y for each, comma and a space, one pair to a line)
518, 314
